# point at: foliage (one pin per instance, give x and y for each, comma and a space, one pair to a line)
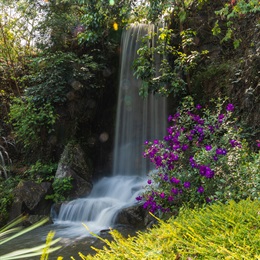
17, 29
43, 171
199, 160
219, 231
175, 47
101, 19
164, 78
31, 123
6, 197
186, 37
61, 187
231, 13
52, 76
11, 231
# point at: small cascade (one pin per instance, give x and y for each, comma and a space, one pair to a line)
99, 209
137, 120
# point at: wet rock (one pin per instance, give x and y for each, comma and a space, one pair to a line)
29, 198
134, 216
73, 164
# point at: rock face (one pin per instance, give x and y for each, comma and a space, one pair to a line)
133, 216
29, 198
73, 164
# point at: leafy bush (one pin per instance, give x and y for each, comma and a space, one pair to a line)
219, 231
61, 187
53, 74
6, 197
44, 171
201, 159
31, 123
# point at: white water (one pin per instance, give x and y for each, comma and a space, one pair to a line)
137, 121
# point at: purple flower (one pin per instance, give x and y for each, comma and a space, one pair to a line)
211, 128
209, 173
162, 195
218, 151
149, 181
174, 180
258, 143
215, 158
224, 151
221, 151
175, 191
220, 118
201, 121
198, 106
234, 143
192, 162
184, 147
200, 189
189, 137
170, 198
186, 185
170, 117
208, 147
165, 177
156, 142
208, 200
230, 107
139, 198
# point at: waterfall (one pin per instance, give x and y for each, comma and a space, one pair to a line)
137, 120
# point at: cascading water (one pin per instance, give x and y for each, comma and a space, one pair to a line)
138, 119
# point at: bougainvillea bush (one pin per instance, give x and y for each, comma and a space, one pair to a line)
202, 159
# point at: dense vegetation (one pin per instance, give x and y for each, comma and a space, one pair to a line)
58, 79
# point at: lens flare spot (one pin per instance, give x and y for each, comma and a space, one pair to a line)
115, 26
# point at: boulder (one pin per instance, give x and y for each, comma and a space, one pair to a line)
73, 164
134, 216
29, 198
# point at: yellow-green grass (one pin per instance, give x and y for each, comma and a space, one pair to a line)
230, 231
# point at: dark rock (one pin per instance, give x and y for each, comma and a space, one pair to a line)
29, 198
73, 164
134, 216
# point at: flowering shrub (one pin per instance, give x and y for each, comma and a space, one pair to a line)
197, 160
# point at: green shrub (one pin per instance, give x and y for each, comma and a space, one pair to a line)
44, 171
61, 187
31, 123
52, 76
6, 197
219, 231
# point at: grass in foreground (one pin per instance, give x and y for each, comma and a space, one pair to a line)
230, 231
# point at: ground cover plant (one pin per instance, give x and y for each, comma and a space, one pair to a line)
202, 159
218, 231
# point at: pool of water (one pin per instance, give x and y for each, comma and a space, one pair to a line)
70, 245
